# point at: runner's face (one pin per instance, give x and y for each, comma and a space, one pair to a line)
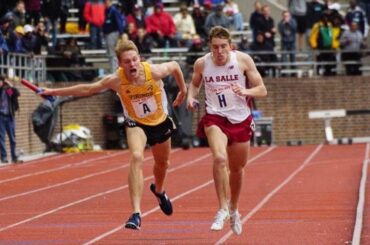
220, 49
130, 62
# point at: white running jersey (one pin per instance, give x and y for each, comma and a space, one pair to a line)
220, 99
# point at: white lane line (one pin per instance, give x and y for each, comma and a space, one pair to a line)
33, 160
59, 168
66, 182
70, 181
118, 228
356, 238
95, 196
272, 193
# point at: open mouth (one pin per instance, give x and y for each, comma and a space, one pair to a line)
133, 71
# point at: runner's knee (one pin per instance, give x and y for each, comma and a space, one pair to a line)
235, 168
162, 164
220, 160
137, 157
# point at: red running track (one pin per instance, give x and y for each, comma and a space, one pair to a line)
291, 195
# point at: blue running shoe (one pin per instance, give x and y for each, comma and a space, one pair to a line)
134, 222
163, 200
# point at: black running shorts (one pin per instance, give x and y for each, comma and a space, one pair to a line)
156, 134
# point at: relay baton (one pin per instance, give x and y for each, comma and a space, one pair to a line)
36, 89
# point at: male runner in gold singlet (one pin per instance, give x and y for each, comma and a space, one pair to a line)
143, 98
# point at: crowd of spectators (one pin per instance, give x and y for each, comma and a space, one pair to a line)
29, 25
314, 25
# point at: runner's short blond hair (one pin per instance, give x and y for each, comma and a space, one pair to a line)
124, 45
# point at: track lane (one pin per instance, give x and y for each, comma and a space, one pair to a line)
20, 171
190, 223
317, 206
92, 186
365, 233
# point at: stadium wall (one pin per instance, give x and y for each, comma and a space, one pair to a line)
289, 100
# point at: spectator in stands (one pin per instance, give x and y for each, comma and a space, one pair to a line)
217, 18
185, 28
55, 59
356, 14
298, 10
113, 27
42, 38
265, 24
33, 11
8, 106
199, 17
263, 52
255, 16
243, 45
231, 9
52, 10
321, 38
29, 40
19, 14
195, 51
8, 34
337, 21
94, 14
19, 33
72, 55
135, 20
161, 27
287, 28
143, 42
352, 42
80, 4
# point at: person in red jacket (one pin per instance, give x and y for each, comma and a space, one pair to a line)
161, 27
94, 13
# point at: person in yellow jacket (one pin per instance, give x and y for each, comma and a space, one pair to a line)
324, 37
143, 98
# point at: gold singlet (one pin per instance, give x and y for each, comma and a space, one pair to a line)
146, 103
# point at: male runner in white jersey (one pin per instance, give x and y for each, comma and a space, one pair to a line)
140, 89
231, 80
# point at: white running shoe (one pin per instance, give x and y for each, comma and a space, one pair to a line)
221, 216
236, 224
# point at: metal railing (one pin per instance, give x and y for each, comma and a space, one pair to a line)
36, 68
31, 67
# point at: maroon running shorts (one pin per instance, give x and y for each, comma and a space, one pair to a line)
239, 132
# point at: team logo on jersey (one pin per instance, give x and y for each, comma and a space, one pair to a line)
231, 67
221, 78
